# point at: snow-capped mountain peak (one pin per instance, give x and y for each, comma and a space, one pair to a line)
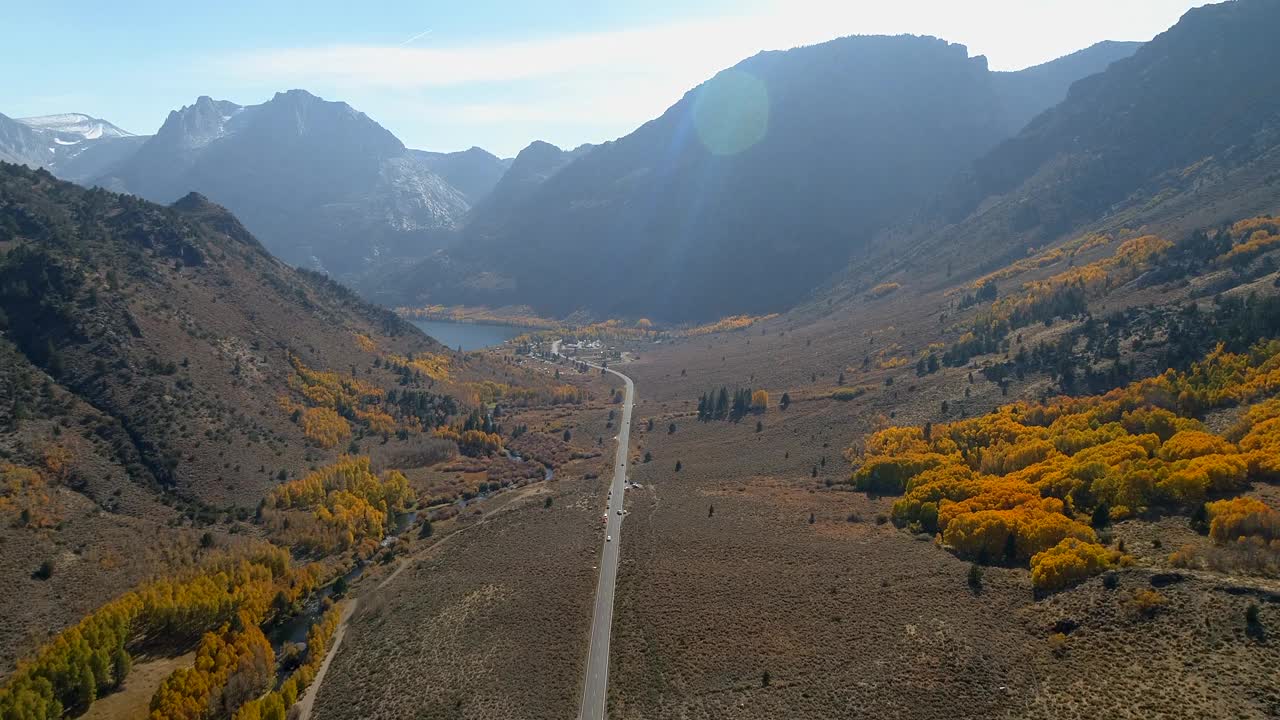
75, 125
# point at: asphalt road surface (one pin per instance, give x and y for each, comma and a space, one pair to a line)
595, 686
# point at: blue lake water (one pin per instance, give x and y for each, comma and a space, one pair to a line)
469, 336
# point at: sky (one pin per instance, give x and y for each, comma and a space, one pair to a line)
497, 74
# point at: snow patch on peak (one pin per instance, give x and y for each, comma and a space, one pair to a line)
85, 127
196, 125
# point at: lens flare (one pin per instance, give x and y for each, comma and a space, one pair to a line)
731, 112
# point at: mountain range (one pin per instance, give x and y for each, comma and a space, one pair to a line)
776, 173
1183, 134
748, 192
75, 146
472, 172
323, 185
853, 134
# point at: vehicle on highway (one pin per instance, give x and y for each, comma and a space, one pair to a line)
608, 538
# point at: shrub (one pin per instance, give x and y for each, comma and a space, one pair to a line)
1067, 563
1242, 517
760, 401
1147, 603
1058, 644
882, 290
888, 475
846, 394
975, 576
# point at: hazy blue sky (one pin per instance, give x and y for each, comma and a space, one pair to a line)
448, 75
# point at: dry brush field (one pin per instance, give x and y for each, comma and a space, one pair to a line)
752, 559
492, 621
488, 626
726, 579
755, 583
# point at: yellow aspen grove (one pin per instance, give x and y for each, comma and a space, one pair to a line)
1015, 484
275, 704
324, 426
231, 667
337, 507
90, 658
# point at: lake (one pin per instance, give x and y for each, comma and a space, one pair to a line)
470, 336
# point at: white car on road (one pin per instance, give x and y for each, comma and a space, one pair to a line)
608, 538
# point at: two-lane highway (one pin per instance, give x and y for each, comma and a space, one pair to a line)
595, 686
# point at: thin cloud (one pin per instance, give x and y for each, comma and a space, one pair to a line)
689, 51
417, 37
703, 46
611, 81
574, 104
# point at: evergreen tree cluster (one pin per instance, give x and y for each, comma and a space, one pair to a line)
986, 292
724, 405
927, 365
1087, 359
430, 409
482, 422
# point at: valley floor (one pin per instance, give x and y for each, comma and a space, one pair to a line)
750, 588
754, 583
490, 622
